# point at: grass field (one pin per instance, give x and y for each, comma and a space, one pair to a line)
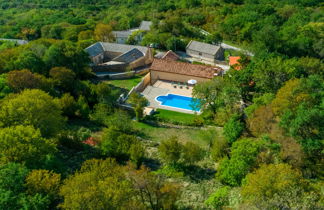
177, 118
159, 134
125, 83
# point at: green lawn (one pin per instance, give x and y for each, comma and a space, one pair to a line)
177, 118
158, 134
127, 84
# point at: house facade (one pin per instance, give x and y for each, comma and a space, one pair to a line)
205, 52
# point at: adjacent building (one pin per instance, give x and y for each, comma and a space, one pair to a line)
118, 57
121, 37
205, 52
17, 41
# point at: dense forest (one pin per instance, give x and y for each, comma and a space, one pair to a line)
66, 144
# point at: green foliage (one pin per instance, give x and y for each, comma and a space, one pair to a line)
219, 199
170, 151
4, 87
83, 109
242, 159
277, 186
63, 78
265, 99
43, 182
139, 102
32, 107
233, 129
216, 94
219, 149
24, 144
191, 153
68, 105
113, 191
66, 54
24, 79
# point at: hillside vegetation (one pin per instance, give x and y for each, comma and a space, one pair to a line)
66, 144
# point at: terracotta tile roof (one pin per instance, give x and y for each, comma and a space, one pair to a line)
170, 55
233, 61
184, 68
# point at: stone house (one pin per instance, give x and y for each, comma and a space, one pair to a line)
205, 52
115, 57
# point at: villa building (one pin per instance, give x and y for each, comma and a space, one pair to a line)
170, 70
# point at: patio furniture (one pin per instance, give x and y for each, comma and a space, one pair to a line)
174, 84
180, 85
187, 87
192, 82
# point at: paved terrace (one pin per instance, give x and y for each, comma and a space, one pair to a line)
164, 88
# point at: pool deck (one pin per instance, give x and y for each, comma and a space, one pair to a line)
164, 88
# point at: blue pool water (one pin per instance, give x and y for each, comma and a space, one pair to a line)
178, 101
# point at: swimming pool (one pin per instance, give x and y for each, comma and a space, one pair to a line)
180, 102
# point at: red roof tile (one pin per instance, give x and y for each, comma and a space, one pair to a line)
234, 62
189, 69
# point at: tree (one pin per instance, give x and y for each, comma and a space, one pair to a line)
103, 33
191, 153
24, 144
4, 87
100, 184
153, 191
139, 102
276, 186
270, 74
219, 149
175, 44
64, 78
242, 159
170, 150
214, 38
83, 109
24, 79
120, 121
261, 121
66, 54
43, 182
32, 107
289, 97
233, 129
122, 146
68, 105
12, 178
29, 60
216, 94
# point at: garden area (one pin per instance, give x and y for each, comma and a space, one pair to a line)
125, 84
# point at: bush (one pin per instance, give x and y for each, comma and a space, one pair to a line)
219, 198
191, 153
233, 129
170, 151
243, 157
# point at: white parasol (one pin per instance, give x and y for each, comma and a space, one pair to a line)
192, 82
